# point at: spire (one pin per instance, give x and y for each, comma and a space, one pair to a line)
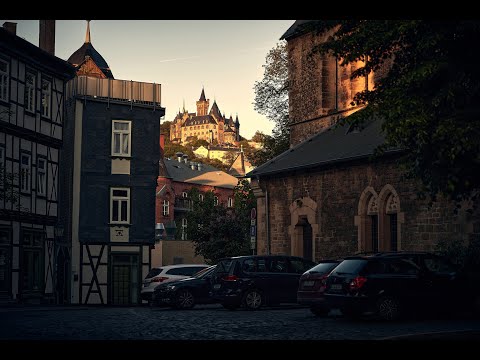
202, 95
87, 35
184, 105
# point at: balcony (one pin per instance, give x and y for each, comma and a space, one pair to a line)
182, 204
115, 91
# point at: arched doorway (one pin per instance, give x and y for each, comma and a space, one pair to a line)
303, 228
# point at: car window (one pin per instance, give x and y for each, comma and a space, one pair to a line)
279, 265
374, 267
204, 272
323, 268
224, 266
402, 267
350, 266
185, 271
248, 265
299, 266
438, 265
153, 272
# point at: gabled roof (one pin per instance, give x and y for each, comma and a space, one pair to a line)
204, 119
208, 175
215, 110
336, 144
298, 28
240, 166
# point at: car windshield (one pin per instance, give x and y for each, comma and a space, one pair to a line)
204, 272
323, 268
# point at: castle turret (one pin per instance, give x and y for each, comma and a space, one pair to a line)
202, 104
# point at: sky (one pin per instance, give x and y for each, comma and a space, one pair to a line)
225, 57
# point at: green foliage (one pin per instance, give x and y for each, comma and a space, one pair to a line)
165, 130
271, 100
429, 98
199, 142
467, 256
219, 231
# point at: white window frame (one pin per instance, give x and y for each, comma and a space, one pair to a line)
2, 166
201, 197
117, 201
30, 92
184, 195
184, 228
166, 207
121, 138
41, 173
215, 200
4, 77
230, 202
25, 173
46, 98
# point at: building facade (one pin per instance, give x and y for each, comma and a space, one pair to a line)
111, 161
177, 177
325, 197
206, 125
32, 124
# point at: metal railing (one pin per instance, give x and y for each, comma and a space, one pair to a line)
124, 91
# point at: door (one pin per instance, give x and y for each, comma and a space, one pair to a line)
125, 279
307, 240
62, 271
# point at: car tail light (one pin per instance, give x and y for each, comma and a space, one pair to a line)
230, 278
323, 279
160, 279
357, 283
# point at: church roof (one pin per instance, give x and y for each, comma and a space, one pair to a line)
298, 28
202, 96
334, 145
200, 120
87, 50
208, 175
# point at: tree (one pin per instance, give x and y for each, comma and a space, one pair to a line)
271, 100
165, 130
429, 98
199, 142
219, 231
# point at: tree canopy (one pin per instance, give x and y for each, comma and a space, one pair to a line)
271, 100
429, 98
220, 231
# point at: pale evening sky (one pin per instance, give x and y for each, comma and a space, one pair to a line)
224, 56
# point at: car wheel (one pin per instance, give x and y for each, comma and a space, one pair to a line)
230, 306
388, 308
319, 311
184, 300
253, 300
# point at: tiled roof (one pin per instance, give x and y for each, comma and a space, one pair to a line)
200, 120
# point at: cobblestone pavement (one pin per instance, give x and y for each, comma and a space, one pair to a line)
210, 322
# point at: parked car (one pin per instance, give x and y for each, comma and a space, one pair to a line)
312, 286
186, 293
256, 280
165, 274
393, 284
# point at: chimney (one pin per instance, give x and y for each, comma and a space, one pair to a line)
179, 156
47, 36
11, 27
185, 158
192, 165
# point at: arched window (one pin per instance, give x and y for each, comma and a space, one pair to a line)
230, 202
184, 195
166, 207
201, 197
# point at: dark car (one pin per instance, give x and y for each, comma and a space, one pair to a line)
185, 293
312, 286
257, 280
393, 284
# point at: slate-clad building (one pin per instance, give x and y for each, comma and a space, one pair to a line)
326, 197
112, 158
32, 125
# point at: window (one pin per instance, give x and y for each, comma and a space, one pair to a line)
41, 176
46, 97
201, 197
2, 166
30, 92
393, 232
3, 80
32, 271
230, 202
184, 229
374, 232
166, 207
25, 173
184, 195
215, 200
120, 205
121, 138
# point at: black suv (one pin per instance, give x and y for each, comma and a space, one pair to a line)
390, 284
253, 281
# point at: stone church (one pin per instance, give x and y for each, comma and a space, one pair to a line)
204, 125
326, 197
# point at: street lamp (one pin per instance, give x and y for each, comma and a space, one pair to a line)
159, 229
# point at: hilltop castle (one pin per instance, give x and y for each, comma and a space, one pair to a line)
207, 125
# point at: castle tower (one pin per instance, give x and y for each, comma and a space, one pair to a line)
202, 104
237, 129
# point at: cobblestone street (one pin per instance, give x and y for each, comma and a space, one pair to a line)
206, 323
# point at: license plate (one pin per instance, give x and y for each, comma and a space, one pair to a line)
336, 287
308, 283
217, 286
